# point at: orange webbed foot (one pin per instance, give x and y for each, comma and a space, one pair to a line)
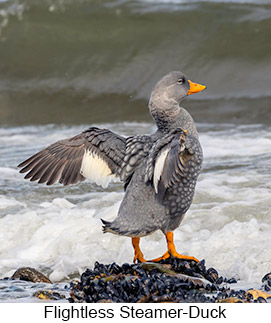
172, 251
175, 255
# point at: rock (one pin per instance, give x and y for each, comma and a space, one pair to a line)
172, 280
212, 275
257, 295
267, 282
48, 295
231, 281
231, 300
30, 274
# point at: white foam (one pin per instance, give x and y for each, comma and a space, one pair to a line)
239, 249
8, 202
58, 236
235, 145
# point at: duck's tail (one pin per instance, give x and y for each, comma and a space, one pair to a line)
108, 227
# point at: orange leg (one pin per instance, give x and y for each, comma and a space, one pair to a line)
172, 250
138, 253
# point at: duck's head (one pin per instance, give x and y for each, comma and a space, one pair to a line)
174, 87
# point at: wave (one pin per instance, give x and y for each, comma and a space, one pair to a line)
259, 2
104, 57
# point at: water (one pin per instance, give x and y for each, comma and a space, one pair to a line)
22, 291
95, 62
57, 55
58, 229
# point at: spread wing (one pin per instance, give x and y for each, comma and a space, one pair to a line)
95, 154
168, 160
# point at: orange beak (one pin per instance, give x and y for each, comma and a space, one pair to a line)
195, 88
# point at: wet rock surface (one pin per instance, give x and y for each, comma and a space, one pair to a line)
267, 282
172, 280
48, 295
29, 284
30, 274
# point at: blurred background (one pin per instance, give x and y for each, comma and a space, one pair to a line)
72, 61
69, 64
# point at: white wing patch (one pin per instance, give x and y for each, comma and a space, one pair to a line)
159, 166
96, 169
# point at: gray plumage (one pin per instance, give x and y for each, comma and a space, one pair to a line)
159, 171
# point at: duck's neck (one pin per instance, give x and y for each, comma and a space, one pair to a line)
172, 117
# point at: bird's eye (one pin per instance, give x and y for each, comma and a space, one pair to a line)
180, 81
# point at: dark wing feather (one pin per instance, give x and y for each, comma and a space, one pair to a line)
61, 162
174, 165
170, 159
137, 148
